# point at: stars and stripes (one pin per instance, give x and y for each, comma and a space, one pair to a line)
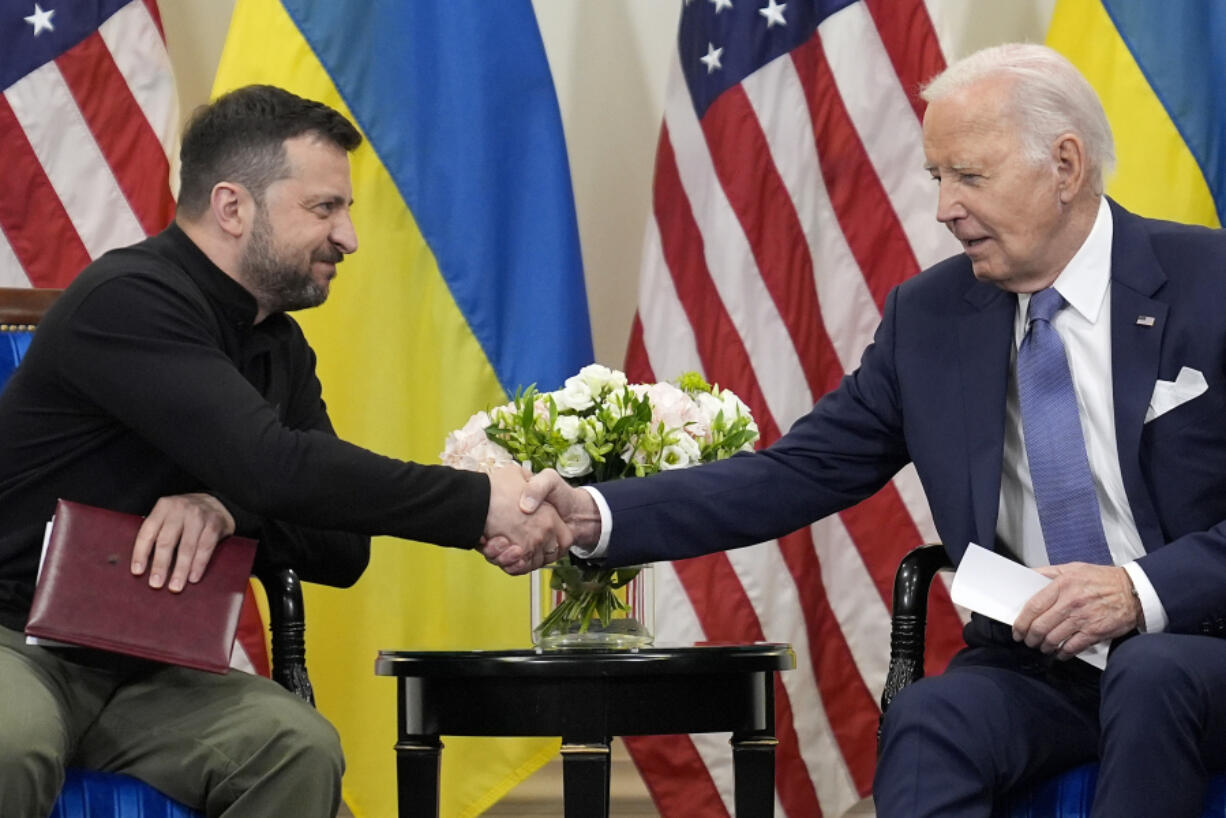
789, 197
87, 124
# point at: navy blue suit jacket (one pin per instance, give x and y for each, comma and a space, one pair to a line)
931, 390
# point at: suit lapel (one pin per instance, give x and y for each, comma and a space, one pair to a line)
1136, 347
985, 337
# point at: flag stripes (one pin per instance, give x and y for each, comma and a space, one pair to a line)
866, 216
789, 198
879, 113
908, 37
768, 219
775, 90
70, 156
35, 226
10, 267
88, 135
128, 144
134, 37
719, 341
849, 706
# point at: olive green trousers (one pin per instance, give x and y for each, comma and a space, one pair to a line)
232, 745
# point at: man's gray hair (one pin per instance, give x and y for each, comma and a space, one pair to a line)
1050, 97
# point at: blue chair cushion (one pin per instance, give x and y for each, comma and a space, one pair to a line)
1069, 796
13, 346
91, 794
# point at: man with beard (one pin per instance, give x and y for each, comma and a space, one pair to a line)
168, 381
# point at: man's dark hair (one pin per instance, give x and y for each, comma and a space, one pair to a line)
240, 137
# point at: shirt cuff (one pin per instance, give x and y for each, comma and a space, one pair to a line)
1151, 606
606, 528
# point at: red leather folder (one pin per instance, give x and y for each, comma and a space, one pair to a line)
86, 594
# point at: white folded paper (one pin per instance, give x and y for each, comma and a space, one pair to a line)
997, 588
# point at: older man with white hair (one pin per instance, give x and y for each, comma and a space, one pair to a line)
1059, 386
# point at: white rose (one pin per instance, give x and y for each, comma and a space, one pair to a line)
569, 427
462, 440
677, 410
710, 405
486, 457
576, 395
471, 450
734, 407
600, 378
574, 462
679, 455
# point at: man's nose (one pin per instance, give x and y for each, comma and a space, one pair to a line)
949, 204
343, 234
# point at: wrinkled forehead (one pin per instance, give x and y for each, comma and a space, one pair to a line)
966, 123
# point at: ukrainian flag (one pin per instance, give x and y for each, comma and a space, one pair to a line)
1160, 70
467, 283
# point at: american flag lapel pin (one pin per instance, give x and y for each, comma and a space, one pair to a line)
1145, 320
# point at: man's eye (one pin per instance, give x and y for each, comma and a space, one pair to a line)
969, 178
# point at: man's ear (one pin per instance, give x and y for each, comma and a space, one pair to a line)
1072, 173
232, 208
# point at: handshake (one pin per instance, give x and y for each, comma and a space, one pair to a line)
534, 522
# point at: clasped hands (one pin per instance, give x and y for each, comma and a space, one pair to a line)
534, 522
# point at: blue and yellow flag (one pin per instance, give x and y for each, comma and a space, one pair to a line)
467, 283
1160, 70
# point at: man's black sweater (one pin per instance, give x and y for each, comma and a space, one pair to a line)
148, 378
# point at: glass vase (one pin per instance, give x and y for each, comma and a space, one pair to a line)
575, 606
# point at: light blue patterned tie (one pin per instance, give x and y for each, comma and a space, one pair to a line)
1059, 469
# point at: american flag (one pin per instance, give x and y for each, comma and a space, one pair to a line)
87, 127
789, 197
88, 131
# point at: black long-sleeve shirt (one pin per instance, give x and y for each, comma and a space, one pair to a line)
148, 378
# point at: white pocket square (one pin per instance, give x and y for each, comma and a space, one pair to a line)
1168, 394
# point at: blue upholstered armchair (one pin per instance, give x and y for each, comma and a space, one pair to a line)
1068, 795
90, 794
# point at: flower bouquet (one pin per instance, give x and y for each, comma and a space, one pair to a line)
599, 427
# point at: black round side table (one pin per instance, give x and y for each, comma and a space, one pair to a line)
587, 697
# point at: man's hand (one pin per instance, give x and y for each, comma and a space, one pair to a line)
1083, 604
183, 528
575, 506
516, 540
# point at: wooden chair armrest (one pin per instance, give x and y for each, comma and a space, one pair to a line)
909, 617
287, 624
